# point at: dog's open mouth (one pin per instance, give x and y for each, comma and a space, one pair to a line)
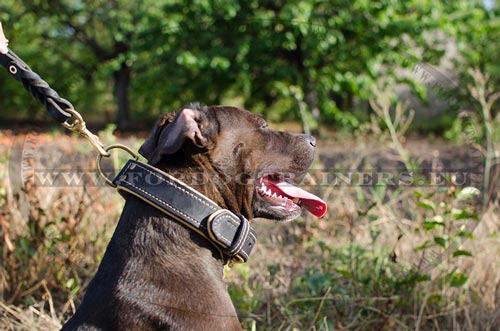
281, 194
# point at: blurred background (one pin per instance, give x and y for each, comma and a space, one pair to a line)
403, 91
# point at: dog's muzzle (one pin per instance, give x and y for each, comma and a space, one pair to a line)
231, 234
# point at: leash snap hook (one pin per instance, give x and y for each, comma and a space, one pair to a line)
76, 124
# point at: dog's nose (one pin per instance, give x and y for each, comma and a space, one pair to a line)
312, 141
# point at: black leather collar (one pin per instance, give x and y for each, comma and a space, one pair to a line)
231, 234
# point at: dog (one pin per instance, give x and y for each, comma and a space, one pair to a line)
156, 273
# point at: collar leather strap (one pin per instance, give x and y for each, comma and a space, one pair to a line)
231, 234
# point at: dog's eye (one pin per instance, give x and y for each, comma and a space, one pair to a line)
261, 122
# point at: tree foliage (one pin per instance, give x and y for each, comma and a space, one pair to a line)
311, 60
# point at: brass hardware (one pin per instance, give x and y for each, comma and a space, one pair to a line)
76, 124
235, 260
107, 154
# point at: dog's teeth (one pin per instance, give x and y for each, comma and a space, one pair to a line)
280, 196
268, 192
296, 200
274, 195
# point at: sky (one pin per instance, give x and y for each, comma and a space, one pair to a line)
489, 3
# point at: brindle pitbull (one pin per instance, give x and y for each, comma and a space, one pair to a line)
156, 274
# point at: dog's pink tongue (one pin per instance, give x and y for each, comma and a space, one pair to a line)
309, 201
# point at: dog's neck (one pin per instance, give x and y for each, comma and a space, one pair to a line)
199, 173
169, 236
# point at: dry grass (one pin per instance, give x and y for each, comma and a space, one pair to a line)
34, 317
353, 270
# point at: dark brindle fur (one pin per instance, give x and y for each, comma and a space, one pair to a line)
158, 275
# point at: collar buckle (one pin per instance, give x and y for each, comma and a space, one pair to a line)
232, 233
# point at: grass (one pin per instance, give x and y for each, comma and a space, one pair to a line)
384, 258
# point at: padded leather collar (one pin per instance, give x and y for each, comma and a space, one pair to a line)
231, 234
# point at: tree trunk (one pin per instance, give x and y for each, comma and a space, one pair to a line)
304, 118
121, 85
311, 100
312, 103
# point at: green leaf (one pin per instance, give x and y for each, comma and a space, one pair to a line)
422, 278
442, 241
465, 234
220, 63
187, 59
460, 252
461, 214
430, 225
458, 279
345, 273
425, 245
70, 283
427, 204
418, 194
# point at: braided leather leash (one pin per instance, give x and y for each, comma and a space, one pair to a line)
59, 108
32, 82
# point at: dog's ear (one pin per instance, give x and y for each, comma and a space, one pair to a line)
169, 134
149, 146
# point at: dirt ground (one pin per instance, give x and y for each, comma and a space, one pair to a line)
61, 151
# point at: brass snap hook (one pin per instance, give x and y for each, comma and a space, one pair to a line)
76, 124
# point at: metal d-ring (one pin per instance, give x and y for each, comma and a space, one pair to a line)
107, 149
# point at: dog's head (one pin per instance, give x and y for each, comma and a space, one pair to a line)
243, 165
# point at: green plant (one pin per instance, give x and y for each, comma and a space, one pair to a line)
396, 119
450, 215
490, 145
